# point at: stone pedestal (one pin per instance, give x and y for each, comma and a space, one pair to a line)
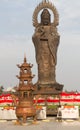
48, 89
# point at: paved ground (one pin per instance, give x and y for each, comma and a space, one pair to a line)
49, 124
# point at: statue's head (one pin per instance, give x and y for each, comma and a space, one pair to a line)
45, 17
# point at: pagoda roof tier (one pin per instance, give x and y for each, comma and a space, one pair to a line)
25, 76
25, 64
25, 87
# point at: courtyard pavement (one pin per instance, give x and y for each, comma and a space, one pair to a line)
49, 124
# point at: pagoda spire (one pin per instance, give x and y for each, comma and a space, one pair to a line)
25, 58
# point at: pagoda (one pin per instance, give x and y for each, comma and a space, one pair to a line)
25, 108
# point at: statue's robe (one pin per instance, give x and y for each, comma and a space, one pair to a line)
46, 41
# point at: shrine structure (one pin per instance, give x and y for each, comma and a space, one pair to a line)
25, 108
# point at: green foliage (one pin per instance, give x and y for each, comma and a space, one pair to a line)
1, 89
52, 106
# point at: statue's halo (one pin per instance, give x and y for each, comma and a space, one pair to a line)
41, 6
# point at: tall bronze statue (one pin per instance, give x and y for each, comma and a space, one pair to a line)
46, 41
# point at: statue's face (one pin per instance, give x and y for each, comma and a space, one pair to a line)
45, 17
45, 21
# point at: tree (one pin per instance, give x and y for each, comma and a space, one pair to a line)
1, 89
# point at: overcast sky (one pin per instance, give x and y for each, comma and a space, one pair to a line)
16, 32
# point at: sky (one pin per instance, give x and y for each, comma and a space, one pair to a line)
16, 32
